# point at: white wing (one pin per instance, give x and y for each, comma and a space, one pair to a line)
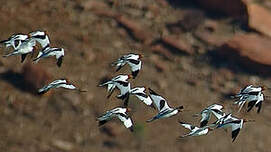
159, 101
127, 121
188, 126
139, 92
66, 86
123, 86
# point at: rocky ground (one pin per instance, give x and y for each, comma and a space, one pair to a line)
197, 52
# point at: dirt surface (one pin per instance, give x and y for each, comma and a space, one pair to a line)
182, 68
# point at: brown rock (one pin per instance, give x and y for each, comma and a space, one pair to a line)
179, 44
259, 19
250, 50
235, 8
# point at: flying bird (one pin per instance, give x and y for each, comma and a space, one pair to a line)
119, 81
214, 109
164, 111
41, 37
61, 83
121, 114
48, 51
26, 47
257, 102
233, 122
15, 40
133, 60
195, 131
249, 94
140, 93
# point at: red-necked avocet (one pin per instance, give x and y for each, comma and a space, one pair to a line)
41, 37
15, 40
206, 113
164, 111
133, 60
121, 114
196, 131
48, 51
119, 81
26, 47
61, 83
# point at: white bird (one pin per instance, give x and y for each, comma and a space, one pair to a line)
164, 111
61, 83
133, 60
26, 47
233, 122
257, 102
48, 51
41, 37
15, 40
195, 131
215, 109
140, 93
120, 113
116, 82
248, 94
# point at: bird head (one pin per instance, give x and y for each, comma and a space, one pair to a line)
140, 56
29, 36
130, 76
179, 108
45, 32
128, 109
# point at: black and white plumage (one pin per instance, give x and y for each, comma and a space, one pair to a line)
164, 111
121, 114
119, 81
61, 83
214, 109
140, 93
233, 122
41, 37
257, 102
48, 51
196, 131
133, 60
15, 40
26, 47
250, 95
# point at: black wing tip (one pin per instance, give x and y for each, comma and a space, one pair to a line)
152, 92
102, 122
131, 129
135, 73
203, 123
59, 61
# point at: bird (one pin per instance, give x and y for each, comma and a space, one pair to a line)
133, 60
249, 94
61, 83
215, 109
48, 51
196, 131
164, 111
15, 40
233, 122
26, 47
41, 37
140, 93
121, 114
257, 102
112, 84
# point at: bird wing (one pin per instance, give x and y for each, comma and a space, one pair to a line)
188, 126
139, 92
135, 66
159, 101
124, 87
127, 121
205, 116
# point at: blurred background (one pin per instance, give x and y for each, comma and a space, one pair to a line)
197, 52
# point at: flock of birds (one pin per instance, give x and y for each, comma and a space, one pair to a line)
25, 44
